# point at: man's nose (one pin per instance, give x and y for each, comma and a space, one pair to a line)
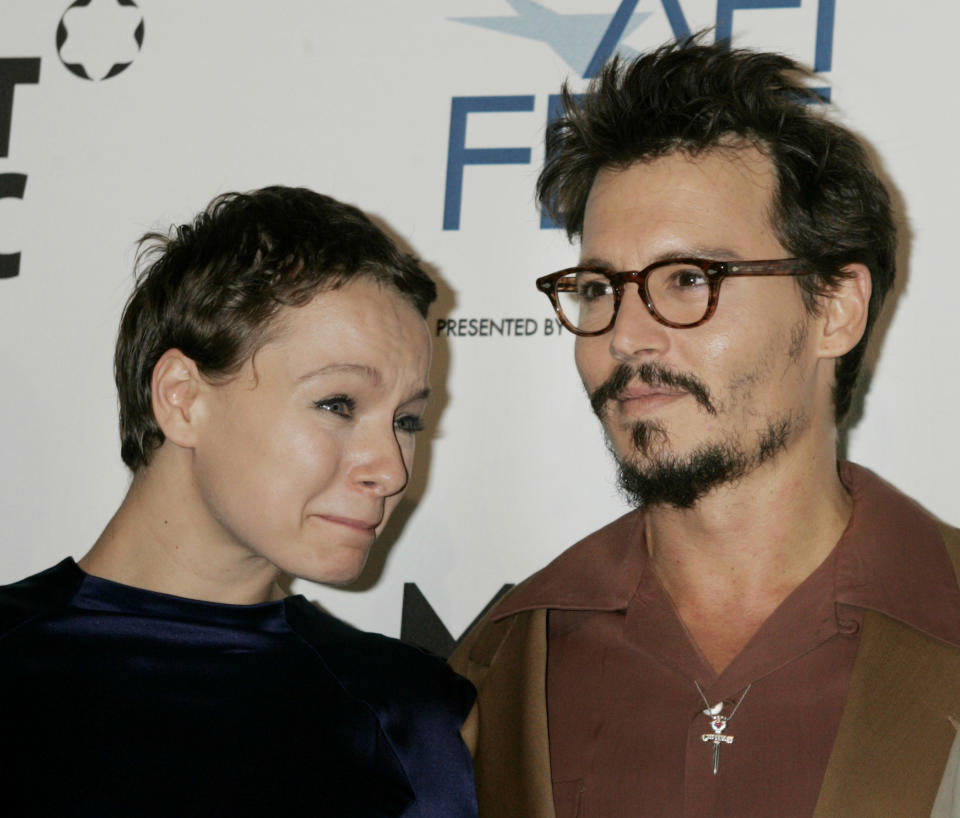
636, 333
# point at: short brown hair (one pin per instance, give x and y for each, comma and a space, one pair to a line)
211, 288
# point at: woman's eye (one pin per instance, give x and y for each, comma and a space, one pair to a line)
338, 405
409, 423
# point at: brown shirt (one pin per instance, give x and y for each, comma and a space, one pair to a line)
626, 720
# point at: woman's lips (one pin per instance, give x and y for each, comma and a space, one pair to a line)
350, 522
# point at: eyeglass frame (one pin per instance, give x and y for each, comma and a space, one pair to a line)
715, 271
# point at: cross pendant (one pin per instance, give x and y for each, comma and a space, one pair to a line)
718, 724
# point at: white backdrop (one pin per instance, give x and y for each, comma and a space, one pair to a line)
353, 98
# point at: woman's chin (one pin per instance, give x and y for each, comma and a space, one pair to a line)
344, 569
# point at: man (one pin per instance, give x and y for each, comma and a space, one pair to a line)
773, 632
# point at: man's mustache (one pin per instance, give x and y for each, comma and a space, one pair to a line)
652, 375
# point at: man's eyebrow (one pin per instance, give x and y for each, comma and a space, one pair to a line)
597, 262
368, 372
712, 253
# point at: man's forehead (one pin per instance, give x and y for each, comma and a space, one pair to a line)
739, 173
715, 203
737, 155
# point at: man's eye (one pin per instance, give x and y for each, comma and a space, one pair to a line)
338, 405
594, 288
409, 423
687, 278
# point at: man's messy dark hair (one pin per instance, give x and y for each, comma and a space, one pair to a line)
830, 209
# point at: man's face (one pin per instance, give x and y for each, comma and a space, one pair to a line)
688, 409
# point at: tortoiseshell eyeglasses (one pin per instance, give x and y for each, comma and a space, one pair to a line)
678, 292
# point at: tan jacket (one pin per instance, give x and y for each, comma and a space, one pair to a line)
899, 723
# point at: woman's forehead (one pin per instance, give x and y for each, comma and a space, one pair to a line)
362, 330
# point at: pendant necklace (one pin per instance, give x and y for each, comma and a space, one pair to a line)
718, 723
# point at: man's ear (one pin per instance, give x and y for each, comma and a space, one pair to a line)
174, 390
845, 310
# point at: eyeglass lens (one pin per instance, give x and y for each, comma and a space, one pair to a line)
679, 293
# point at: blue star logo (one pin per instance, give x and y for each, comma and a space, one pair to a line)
583, 41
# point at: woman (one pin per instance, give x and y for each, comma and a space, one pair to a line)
272, 369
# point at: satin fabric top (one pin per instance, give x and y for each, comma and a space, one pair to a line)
123, 702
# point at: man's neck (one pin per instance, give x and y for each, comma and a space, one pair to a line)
731, 560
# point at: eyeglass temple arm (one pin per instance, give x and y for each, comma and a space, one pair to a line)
780, 267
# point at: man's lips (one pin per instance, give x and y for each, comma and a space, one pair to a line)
644, 392
639, 402
644, 397
647, 385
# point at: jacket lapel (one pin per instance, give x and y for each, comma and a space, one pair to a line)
897, 727
512, 753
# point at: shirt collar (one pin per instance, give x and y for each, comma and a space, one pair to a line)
890, 559
599, 573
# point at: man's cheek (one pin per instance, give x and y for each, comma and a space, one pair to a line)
593, 363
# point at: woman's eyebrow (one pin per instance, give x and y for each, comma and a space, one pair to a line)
423, 394
368, 372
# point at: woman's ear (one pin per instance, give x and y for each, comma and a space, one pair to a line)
174, 389
845, 310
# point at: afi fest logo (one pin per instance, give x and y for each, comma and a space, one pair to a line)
96, 40
585, 42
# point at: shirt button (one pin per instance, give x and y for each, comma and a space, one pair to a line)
848, 626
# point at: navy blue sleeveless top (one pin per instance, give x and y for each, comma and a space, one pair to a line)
118, 701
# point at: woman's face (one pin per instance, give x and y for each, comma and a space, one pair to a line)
304, 455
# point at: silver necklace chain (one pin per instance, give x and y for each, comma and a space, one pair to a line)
718, 722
